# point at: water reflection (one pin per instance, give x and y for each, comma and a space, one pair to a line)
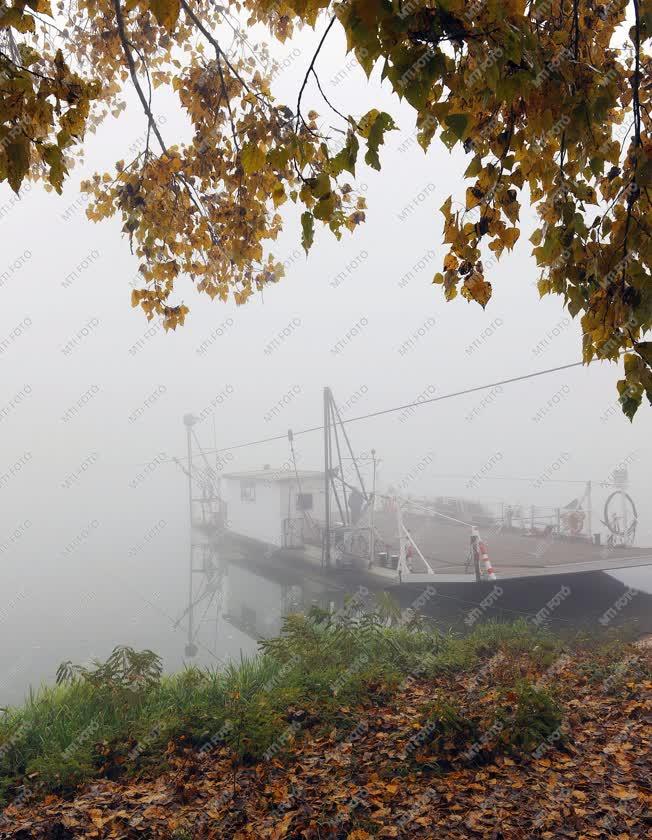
238, 599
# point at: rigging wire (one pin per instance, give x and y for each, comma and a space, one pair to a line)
394, 409
425, 508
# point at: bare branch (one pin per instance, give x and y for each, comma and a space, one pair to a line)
311, 69
126, 48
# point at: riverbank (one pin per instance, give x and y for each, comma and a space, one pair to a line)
342, 729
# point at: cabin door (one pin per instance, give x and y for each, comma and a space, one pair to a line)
293, 533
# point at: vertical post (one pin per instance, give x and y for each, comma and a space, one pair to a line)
589, 510
372, 534
401, 539
475, 551
326, 552
188, 421
623, 509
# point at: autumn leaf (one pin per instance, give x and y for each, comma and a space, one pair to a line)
644, 348
278, 194
509, 237
18, 160
53, 157
347, 156
308, 227
281, 828
376, 137
325, 207
474, 196
625, 795
366, 122
476, 288
166, 12
457, 124
320, 186
253, 158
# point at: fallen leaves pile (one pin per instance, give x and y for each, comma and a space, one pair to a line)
379, 777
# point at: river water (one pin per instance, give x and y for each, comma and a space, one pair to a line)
80, 610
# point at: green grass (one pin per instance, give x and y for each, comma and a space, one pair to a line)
103, 724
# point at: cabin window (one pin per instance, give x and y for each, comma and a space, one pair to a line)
304, 501
248, 491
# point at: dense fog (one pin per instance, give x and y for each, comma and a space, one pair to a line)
93, 508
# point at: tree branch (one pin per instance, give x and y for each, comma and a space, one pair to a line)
126, 48
219, 51
311, 69
326, 100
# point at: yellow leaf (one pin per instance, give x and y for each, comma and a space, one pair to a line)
477, 288
252, 157
166, 12
365, 123
281, 828
474, 196
622, 793
509, 237
16, 18
18, 161
278, 194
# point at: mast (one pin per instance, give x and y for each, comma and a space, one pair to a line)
326, 550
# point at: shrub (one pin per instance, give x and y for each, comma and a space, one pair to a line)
125, 671
531, 716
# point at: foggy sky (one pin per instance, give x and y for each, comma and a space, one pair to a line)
87, 365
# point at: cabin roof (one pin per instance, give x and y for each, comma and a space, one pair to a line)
275, 475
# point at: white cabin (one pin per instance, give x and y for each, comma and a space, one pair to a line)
275, 507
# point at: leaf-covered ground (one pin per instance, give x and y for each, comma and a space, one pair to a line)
456, 755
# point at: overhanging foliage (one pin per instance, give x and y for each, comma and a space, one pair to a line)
549, 99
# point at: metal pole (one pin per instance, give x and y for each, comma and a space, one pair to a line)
401, 540
589, 510
475, 551
623, 503
190, 601
345, 512
327, 500
372, 535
